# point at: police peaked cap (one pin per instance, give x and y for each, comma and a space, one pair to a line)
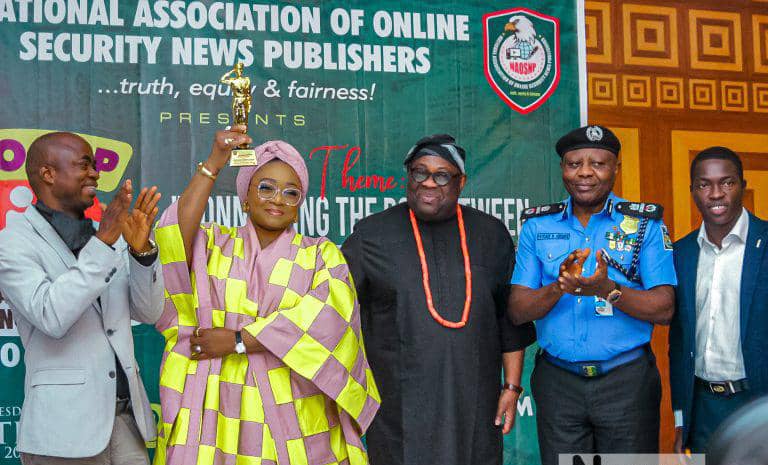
596, 137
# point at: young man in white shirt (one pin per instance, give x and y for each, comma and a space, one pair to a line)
716, 338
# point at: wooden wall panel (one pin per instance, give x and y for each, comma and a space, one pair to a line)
672, 78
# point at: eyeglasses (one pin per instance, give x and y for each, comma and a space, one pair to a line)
441, 178
267, 190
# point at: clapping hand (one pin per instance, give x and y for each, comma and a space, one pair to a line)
138, 223
114, 215
134, 225
571, 269
573, 282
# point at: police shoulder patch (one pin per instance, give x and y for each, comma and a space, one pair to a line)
652, 211
542, 210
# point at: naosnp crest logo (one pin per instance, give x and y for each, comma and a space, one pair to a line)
522, 56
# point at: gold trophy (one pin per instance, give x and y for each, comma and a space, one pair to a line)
243, 155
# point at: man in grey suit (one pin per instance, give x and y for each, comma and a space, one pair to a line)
74, 290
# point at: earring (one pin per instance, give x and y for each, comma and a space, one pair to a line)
245, 207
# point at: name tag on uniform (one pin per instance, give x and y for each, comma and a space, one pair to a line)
603, 307
552, 236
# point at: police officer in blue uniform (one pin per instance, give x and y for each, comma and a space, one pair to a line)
595, 273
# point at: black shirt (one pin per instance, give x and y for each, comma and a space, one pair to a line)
439, 386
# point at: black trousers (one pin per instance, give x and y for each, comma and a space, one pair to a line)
611, 414
709, 411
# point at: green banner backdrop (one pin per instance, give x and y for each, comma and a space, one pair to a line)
352, 84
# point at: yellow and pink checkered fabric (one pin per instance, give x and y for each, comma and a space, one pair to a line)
307, 399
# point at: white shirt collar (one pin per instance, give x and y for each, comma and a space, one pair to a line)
739, 231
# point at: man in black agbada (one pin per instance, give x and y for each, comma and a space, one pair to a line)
437, 350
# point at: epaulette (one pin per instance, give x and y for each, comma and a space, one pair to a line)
652, 211
542, 210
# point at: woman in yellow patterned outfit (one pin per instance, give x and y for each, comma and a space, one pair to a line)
264, 361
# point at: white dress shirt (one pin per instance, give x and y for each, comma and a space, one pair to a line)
718, 306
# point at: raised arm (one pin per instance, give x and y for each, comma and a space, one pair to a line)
225, 78
146, 283
194, 199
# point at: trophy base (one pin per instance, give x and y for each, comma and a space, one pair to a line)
243, 157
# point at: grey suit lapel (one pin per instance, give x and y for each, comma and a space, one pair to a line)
49, 235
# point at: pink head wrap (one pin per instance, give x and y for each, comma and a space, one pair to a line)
269, 151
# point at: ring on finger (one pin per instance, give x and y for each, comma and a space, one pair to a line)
228, 141
197, 332
197, 349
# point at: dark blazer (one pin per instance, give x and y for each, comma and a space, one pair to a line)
754, 317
